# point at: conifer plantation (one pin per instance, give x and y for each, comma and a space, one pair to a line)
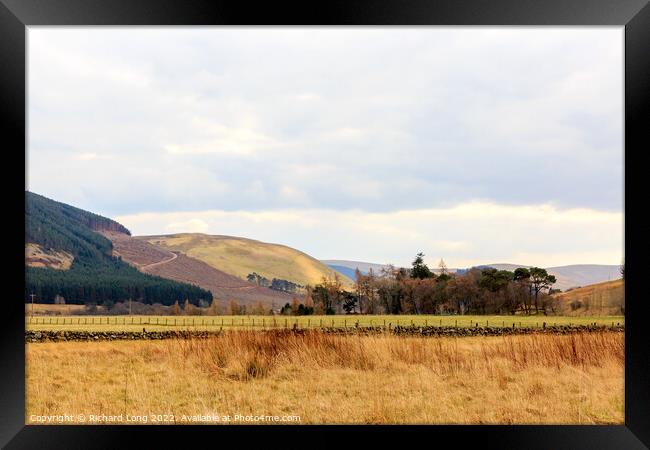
96, 276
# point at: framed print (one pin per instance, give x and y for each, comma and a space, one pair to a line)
342, 220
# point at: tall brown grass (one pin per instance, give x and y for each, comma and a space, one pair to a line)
249, 354
325, 378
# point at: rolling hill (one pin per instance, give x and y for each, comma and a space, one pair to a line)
66, 254
345, 271
175, 265
574, 275
240, 256
348, 268
88, 258
607, 298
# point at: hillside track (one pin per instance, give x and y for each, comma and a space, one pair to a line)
178, 266
149, 266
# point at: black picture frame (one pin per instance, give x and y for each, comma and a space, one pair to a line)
634, 15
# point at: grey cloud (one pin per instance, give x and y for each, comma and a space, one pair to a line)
394, 118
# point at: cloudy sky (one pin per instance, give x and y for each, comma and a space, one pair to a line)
477, 145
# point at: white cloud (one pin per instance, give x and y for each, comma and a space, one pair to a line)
292, 194
89, 156
307, 97
188, 226
464, 235
209, 137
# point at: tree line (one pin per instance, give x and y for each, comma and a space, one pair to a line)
106, 283
419, 290
277, 284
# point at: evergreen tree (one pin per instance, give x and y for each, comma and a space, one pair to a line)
419, 269
95, 276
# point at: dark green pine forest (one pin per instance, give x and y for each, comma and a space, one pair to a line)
95, 276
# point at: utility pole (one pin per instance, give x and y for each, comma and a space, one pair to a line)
129, 306
32, 296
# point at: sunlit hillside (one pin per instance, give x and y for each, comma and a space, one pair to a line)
601, 299
240, 257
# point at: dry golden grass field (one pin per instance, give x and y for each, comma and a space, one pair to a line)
325, 378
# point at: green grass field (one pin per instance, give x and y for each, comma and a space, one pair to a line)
136, 323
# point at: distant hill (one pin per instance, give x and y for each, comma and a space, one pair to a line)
584, 274
574, 275
240, 256
570, 276
65, 254
607, 298
345, 271
346, 267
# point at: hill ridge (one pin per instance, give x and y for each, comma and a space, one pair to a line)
155, 260
240, 256
95, 275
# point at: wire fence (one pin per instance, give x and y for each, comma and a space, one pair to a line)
297, 322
